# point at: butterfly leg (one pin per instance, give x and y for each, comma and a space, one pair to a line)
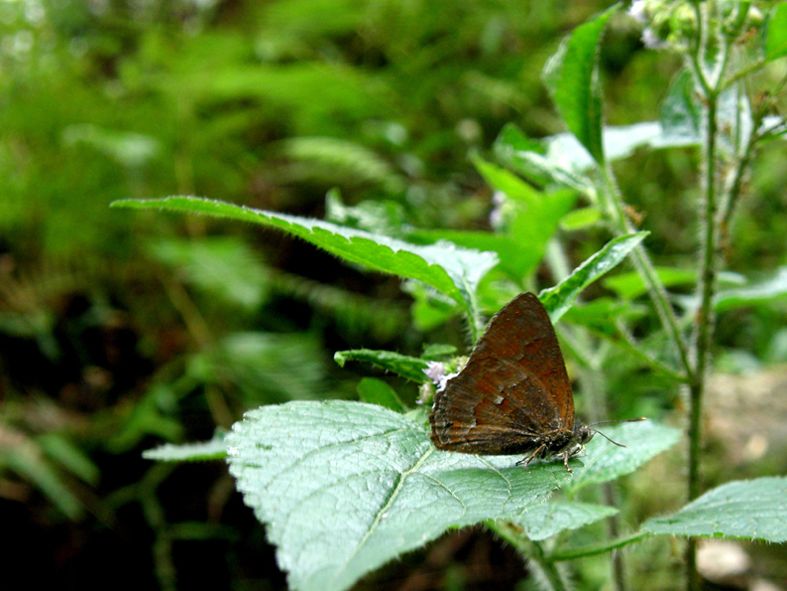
566, 455
533, 455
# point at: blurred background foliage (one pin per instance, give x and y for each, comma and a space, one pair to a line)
119, 331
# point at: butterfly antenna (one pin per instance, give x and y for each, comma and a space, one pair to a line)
608, 438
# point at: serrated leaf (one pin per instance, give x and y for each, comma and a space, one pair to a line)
451, 270
215, 449
750, 509
550, 518
344, 487
571, 75
603, 461
558, 299
410, 368
776, 33
376, 391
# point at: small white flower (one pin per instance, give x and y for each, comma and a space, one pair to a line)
435, 371
651, 40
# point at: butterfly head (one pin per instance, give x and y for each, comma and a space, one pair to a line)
583, 433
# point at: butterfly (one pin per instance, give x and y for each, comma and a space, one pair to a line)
513, 396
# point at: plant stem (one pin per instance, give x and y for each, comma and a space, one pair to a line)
530, 551
704, 318
586, 551
613, 200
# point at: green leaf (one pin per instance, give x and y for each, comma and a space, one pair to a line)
438, 351
532, 226
774, 288
680, 112
530, 219
376, 391
558, 299
561, 158
514, 260
453, 271
550, 518
508, 183
430, 309
630, 286
536, 162
224, 267
604, 461
572, 77
776, 33
215, 449
750, 509
410, 368
344, 487
581, 218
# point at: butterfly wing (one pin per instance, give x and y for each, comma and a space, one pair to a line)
513, 390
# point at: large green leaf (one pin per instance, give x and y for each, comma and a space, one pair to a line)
604, 461
558, 299
571, 76
451, 270
550, 518
344, 487
752, 509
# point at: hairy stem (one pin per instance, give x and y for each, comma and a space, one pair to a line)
702, 334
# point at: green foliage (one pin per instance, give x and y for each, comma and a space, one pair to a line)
558, 299
772, 289
605, 461
750, 509
410, 368
118, 330
453, 271
549, 519
345, 487
776, 37
225, 268
376, 391
573, 80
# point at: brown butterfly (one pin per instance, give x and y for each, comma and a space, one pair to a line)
513, 396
